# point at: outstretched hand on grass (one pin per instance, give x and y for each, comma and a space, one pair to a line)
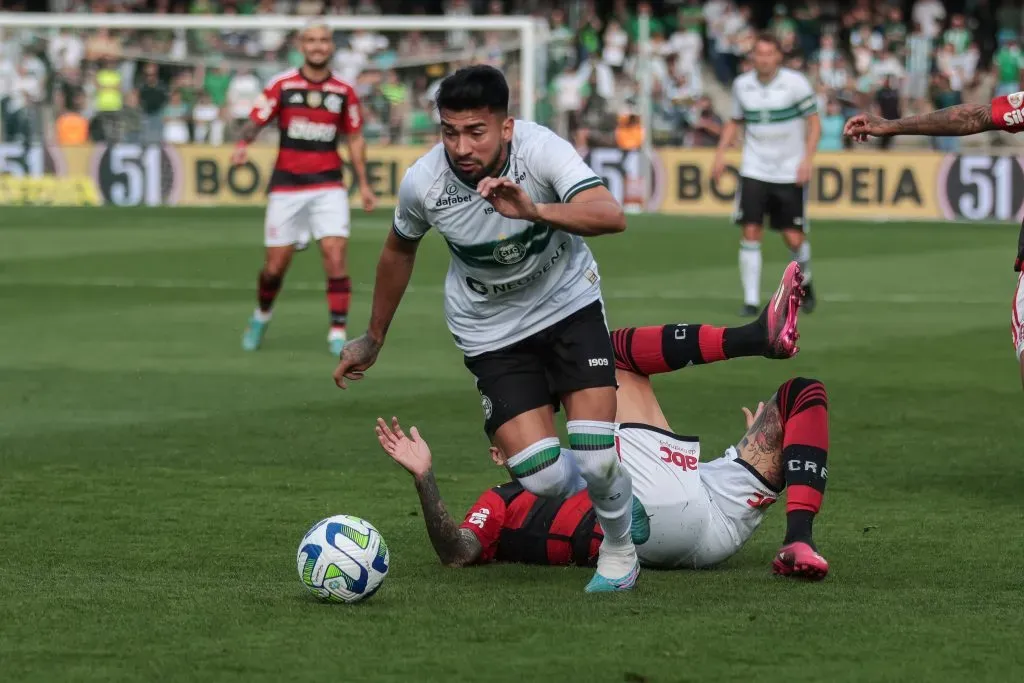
411, 452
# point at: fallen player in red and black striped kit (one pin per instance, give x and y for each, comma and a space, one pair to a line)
686, 513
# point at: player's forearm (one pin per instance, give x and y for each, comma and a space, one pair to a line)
249, 131
728, 136
813, 137
961, 119
585, 218
394, 269
357, 153
455, 547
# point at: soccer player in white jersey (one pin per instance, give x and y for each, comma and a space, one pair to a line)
776, 108
687, 513
513, 201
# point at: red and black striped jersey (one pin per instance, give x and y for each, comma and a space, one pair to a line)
311, 116
1008, 114
513, 525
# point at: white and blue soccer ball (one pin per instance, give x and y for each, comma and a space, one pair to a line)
343, 559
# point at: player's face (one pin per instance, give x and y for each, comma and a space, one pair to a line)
317, 46
767, 59
476, 141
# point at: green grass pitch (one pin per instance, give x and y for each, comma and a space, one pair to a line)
155, 480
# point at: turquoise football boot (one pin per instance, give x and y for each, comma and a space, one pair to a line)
601, 584
336, 339
252, 338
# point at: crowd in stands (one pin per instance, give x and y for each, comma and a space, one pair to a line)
178, 86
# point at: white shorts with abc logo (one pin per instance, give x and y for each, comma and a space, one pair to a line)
294, 217
1017, 317
700, 513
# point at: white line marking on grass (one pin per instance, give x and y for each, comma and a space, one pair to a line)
625, 294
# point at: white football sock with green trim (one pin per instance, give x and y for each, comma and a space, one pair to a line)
610, 489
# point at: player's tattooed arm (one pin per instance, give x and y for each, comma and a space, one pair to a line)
455, 546
249, 131
961, 119
761, 446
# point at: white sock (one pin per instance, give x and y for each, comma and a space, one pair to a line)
802, 255
262, 316
543, 470
611, 492
750, 272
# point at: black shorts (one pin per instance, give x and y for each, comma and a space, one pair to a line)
782, 203
573, 354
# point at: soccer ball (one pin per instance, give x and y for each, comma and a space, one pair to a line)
343, 559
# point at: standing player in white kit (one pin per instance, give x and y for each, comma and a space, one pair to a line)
307, 198
513, 202
776, 108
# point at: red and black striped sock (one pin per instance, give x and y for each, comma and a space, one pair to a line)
664, 348
803, 406
339, 295
267, 290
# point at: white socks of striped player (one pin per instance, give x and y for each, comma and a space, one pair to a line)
802, 255
611, 493
750, 272
545, 470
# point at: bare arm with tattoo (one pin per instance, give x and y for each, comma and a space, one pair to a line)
761, 446
245, 138
455, 546
962, 119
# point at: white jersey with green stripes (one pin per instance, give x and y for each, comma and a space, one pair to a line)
774, 116
507, 279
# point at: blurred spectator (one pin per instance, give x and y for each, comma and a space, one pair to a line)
176, 119
397, 95
887, 103
129, 122
25, 92
944, 95
458, 38
216, 82
567, 93
153, 98
207, 126
561, 51
242, 93
706, 124
918, 65
66, 50
108, 99
629, 131
71, 127
832, 121
958, 35
1008, 65
615, 40
929, 15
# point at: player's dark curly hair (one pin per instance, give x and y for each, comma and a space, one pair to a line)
474, 87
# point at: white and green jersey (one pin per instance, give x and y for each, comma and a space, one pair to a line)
774, 116
507, 279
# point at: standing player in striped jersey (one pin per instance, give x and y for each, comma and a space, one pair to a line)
776, 108
1005, 112
307, 198
686, 513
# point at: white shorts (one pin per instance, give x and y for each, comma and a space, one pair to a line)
294, 217
1017, 317
699, 513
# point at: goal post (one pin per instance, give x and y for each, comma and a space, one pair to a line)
525, 27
